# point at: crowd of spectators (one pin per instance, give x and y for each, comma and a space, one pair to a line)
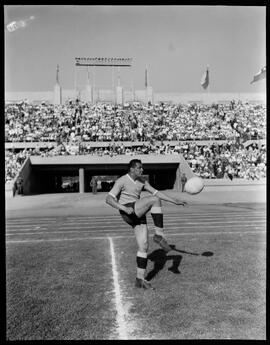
133, 122
14, 161
214, 160
74, 125
230, 160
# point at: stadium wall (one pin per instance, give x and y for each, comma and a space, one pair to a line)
138, 95
209, 97
97, 144
32, 182
40, 180
28, 178
39, 173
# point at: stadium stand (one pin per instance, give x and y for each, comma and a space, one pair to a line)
212, 138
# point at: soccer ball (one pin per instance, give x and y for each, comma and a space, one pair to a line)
194, 185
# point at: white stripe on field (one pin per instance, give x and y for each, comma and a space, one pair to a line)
34, 219
105, 223
122, 328
115, 217
14, 232
124, 226
131, 236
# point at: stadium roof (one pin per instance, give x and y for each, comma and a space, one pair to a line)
96, 160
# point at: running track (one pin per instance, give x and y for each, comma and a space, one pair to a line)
187, 223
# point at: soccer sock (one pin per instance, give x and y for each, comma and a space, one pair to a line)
141, 264
157, 215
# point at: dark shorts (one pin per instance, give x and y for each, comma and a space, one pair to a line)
132, 219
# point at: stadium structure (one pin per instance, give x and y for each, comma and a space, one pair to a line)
46, 174
91, 92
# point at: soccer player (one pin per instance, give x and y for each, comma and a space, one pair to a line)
125, 196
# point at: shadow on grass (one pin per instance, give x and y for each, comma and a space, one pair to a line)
191, 253
159, 257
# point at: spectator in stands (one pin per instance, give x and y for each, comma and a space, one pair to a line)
71, 122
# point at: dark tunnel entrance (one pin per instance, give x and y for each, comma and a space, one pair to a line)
52, 180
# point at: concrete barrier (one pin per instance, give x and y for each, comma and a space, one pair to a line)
234, 182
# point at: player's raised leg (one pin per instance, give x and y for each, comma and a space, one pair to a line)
142, 206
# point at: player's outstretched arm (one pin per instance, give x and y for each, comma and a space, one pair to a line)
164, 196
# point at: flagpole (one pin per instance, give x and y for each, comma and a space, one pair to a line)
208, 83
205, 83
207, 69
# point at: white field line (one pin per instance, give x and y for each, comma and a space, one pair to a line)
111, 232
99, 231
203, 216
131, 236
122, 327
105, 234
32, 218
116, 217
116, 222
124, 227
211, 221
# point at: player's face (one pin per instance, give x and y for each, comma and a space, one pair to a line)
138, 169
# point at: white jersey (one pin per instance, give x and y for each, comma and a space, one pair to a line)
127, 190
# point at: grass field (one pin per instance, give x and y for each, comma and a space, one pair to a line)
72, 277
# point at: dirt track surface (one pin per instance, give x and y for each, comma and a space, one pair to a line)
66, 204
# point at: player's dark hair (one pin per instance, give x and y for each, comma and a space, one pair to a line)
133, 163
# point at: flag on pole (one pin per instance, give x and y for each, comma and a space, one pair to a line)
260, 75
205, 79
146, 78
57, 74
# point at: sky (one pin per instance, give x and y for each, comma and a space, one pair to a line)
174, 42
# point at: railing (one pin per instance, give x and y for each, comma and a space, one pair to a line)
97, 144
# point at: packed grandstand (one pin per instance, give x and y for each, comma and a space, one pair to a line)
218, 141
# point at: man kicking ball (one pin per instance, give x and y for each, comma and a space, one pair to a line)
125, 196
